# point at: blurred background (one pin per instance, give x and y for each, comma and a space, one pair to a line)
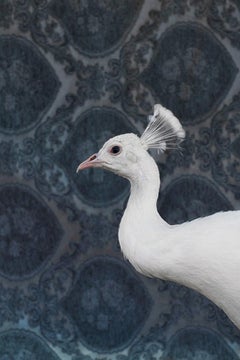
72, 74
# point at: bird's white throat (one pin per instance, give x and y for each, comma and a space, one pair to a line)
141, 223
145, 185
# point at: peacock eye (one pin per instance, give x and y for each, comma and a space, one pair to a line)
115, 150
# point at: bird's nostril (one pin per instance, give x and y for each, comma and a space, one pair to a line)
93, 157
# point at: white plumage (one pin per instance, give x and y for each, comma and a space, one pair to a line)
203, 254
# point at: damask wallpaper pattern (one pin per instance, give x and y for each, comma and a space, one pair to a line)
72, 74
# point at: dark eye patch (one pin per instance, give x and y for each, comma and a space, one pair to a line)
115, 150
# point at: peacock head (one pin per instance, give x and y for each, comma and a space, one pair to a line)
123, 154
119, 154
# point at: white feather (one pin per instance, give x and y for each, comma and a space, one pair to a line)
164, 130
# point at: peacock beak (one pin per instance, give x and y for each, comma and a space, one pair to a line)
92, 161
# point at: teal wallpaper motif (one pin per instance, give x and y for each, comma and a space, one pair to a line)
72, 74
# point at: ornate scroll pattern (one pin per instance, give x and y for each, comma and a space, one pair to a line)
189, 76
104, 305
27, 81
223, 17
29, 232
218, 147
96, 305
197, 344
21, 344
190, 197
90, 25
176, 75
60, 302
73, 74
51, 157
6, 12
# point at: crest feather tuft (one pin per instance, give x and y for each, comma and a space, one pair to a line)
164, 130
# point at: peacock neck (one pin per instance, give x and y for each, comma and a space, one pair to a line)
141, 223
145, 185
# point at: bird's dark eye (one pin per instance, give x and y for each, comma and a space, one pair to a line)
116, 149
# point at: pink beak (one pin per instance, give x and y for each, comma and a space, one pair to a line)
92, 161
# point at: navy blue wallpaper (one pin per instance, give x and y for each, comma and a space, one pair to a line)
72, 74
